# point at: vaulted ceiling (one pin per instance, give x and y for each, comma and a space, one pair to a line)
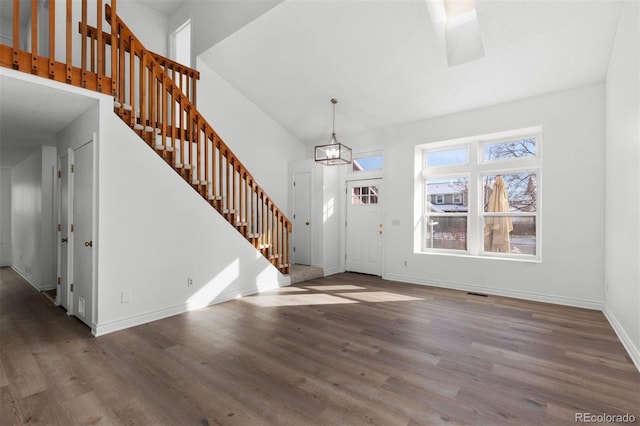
386, 60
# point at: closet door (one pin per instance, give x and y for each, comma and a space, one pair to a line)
82, 232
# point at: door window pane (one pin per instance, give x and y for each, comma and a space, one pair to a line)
364, 195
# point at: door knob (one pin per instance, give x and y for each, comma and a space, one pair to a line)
88, 243
306, 223
64, 240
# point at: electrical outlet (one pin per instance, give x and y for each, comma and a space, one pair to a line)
189, 281
125, 297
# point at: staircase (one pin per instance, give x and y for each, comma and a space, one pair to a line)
156, 98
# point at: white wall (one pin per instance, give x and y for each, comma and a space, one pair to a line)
32, 219
213, 21
148, 25
572, 267
261, 143
155, 232
622, 201
5, 216
6, 31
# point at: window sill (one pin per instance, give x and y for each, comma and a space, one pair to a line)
515, 258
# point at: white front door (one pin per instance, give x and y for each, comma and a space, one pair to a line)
302, 219
82, 294
63, 234
364, 226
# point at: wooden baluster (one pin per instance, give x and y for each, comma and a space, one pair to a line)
270, 227
69, 50
269, 230
234, 197
152, 103
186, 81
16, 34
277, 239
52, 39
121, 62
207, 164
34, 36
100, 45
194, 91
253, 226
143, 88
243, 199
83, 43
115, 44
263, 231
163, 124
220, 173
198, 153
214, 165
132, 82
176, 159
287, 248
225, 190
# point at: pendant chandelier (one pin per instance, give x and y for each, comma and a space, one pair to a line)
333, 153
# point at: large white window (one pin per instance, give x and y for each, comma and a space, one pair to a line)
481, 196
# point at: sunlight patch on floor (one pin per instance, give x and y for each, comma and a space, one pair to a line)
296, 300
334, 287
379, 296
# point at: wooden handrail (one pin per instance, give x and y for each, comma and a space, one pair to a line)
149, 97
177, 71
160, 110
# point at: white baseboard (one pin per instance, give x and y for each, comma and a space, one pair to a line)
332, 271
632, 350
558, 300
135, 320
24, 276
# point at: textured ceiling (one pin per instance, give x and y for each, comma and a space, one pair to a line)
386, 62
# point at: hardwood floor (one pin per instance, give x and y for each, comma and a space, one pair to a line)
346, 349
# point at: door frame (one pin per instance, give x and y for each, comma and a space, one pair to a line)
343, 245
293, 204
59, 246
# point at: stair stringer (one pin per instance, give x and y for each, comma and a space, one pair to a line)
156, 232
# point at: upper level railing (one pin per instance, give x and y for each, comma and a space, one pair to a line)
156, 98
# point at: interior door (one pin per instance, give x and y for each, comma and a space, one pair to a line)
63, 246
364, 226
82, 175
302, 219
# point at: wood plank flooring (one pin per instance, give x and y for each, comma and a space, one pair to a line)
346, 349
